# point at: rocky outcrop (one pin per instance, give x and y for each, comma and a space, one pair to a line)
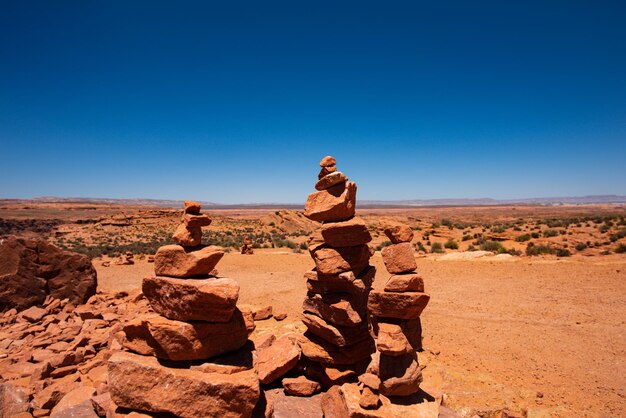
31, 269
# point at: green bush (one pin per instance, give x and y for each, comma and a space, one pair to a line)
493, 246
436, 248
534, 235
561, 252
532, 249
420, 247
451, 245
550, 233
620, 249
618, 235
581, 246
522, 238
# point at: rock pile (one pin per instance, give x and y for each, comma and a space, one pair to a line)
195, 319
337, 344
246, 248
395, 316
32, 269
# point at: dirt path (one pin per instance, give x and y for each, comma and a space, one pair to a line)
546, 336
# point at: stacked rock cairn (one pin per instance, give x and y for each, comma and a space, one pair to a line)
337, 345
246, 247
395, 317
165, 369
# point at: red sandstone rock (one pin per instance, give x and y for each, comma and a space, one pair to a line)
192, 207
334, 204
399, 376
331, 375
187, 236
177, 340
277, 359
32, 268
142, 383
338, 260
174, 260
399, 233
328, 161
13, 400
262, 313
399, 258
33, 314
336, 308
212, 300
196, 221
330, 180
338, 335
326, 171
369, 400
345, 282
391, 340
407, 305
318, 350
301, 386
346, 234
344, 402
411, 282
72, 400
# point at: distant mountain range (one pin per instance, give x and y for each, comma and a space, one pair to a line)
579, 200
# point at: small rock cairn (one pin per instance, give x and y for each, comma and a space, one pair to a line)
395, 317
246, 247
337, 345
195, 318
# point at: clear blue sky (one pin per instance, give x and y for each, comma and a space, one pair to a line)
237, 103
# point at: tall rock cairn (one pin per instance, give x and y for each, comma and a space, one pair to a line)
195, 318
395, 316
337, 343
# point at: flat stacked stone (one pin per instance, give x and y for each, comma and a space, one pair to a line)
337, 344
395, 316
195, 319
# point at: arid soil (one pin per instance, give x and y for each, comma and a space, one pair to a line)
541, 335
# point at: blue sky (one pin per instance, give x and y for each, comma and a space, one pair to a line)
237, 102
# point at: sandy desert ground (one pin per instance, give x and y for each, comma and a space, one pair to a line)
539, 335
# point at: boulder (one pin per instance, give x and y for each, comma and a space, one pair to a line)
346, 234
410, 282
336, 203
188, 236
344, 402
399, 375
340, 309
142, 383
176, 340
174, 260
318, 350
399, 258
31, 269
407, 305
212, 300
33, 314
300, 386
277, 359
79, 398
338, 335
331, 375
369, 400
330, 180
13, 400
331, 261
399, 233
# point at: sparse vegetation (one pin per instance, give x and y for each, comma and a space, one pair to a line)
436, 248
451, 244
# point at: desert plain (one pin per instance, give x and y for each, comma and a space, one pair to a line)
528, 303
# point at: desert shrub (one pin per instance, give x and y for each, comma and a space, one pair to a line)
517, 228
550, 233
436, 248
451, 245
498, 229
532, 249
618, 235
493, 246
581, 246
297, 250
435, 225
604, 228
562, 252
383, 245
620, 249
447, 222
522, 238
534, 235
304, 246
420, 247
471, 248
466, 238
